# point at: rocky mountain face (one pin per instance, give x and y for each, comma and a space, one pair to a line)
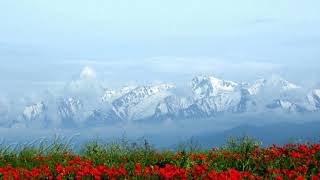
286, 106
69, 111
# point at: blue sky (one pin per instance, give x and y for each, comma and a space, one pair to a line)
45, 43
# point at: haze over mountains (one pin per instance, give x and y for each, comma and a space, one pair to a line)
84, 102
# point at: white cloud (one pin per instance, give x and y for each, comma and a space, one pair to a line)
88, 73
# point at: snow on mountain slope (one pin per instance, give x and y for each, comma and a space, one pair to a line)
286, 106
32, 112
69, 111
314, 99
213, 96
286, 85
141, 102
256, 87
213, 105
102, 117
273, 83
247, 102
206, 86
34, 115
172, 106
111, 94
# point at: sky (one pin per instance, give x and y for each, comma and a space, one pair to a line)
44, 44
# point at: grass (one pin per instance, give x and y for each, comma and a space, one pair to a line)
111, 153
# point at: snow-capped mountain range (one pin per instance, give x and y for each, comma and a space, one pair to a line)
209, 97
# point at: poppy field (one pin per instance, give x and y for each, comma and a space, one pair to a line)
243, 159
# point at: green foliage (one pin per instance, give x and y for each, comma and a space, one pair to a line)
190, 145
243, 145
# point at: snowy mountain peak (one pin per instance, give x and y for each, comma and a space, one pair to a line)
205, 86
282, 83
33, 111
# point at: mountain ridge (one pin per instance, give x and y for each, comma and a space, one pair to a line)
210, 97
